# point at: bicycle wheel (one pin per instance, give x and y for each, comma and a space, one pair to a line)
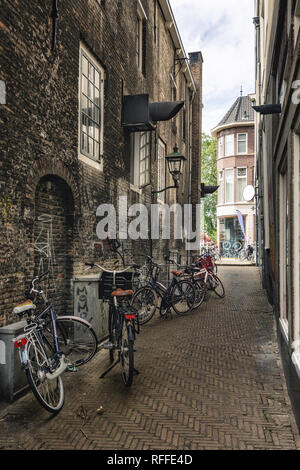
217, 286
49, 393
183, 297
127, 353
200, 292
77, 340
145, 302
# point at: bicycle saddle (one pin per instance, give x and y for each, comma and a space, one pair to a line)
121, 293
28, 305
177, 273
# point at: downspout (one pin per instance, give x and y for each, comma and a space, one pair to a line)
256, 22
191, 100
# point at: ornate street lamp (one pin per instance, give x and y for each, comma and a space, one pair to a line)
175, 164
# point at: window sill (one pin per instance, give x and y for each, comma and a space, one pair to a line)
89, 161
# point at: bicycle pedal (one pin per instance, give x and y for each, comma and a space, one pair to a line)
71, 368
109, 345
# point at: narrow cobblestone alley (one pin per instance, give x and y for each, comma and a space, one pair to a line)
210, 380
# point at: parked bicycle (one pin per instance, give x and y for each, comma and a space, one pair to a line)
123, 322
248, 253
211, 280
179, 295
189, 272
51, 345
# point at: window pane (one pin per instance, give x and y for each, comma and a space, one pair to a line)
229, 145
221, 147
242, 172
97, 96
91, 90
91, 129
96, 150
97, 114
84, 123
97, 79
241, 183
96, 133
84, 142
84, 85
84, 104
242, 143
229, 186
90, 146
84, 66
91, 72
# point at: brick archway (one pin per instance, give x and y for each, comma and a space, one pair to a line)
54, 237
52, 167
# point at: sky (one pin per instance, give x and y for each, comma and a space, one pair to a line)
223, 31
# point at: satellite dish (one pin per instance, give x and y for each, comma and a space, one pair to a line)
249, 193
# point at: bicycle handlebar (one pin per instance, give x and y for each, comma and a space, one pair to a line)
92, 265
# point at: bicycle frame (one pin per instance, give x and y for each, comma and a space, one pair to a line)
33, 328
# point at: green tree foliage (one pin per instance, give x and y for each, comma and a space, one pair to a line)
210, 178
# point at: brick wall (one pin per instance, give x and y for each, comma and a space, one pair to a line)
40, 171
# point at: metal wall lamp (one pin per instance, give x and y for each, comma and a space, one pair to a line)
175, 164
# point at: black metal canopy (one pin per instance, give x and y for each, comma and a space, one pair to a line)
268, 109
139, 114
208, 189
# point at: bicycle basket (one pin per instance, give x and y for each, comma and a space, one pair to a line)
122, 281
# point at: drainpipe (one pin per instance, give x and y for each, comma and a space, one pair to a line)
191, 100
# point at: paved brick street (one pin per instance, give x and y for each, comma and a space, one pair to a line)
211, 380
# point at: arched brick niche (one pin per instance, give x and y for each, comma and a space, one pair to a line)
53, 238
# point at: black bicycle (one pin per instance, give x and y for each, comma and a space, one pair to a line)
179, 295
51, 345
115, 287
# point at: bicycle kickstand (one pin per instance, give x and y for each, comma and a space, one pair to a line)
109, 369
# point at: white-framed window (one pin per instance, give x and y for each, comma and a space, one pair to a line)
221, 147
229, 185
242, 143
229, 145
241, 183
91, 106
221, 187
140, 159
161, 162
